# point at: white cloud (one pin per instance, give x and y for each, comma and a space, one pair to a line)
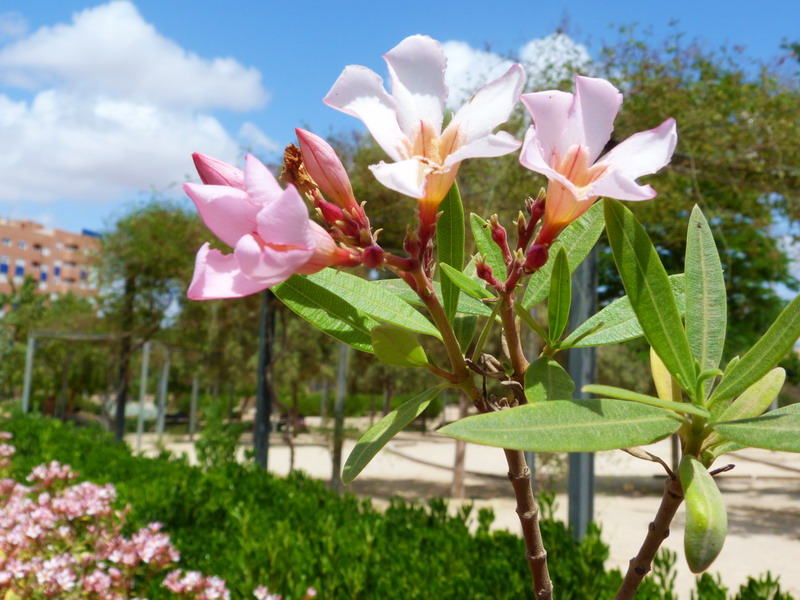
111, 49
112, 108
255, 140
547, 62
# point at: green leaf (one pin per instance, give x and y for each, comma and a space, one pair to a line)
706, 298
545, 379
616, 322
466, 284
528, 319
384, 430
666, 388
464, 328
374, 300
751, 403
466, 304
483, 240
623, 394
766, 353
650, 292
578, 239
776, 430
568, 426
398, 347
450, 246
327, 311
560, 298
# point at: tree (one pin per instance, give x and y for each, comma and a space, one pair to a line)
145, 263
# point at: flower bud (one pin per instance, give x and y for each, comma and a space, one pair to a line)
372, 257
536, 258
327, 170
216, 172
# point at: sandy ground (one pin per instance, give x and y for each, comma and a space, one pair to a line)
762, 494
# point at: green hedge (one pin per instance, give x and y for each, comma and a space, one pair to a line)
250, 528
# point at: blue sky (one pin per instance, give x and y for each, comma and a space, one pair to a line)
101, 102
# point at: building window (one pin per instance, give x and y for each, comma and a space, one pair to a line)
6, 241
22, 244
57, 271
59, 246
4, 265
72, 247
19, 267
45, 251
43, 274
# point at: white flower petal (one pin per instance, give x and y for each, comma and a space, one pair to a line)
359, 92
616, 184
259, 183
645, 152
416, 66
490, 106
496, 144
228, 212
550, 112
591, 119
408, 177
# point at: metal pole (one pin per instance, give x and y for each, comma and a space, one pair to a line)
162, 396
142, 394
338, 423
263, 397
193, 408
26, 385
583, 370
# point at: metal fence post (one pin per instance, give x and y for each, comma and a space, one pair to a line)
583, 370
26, 385
142, 394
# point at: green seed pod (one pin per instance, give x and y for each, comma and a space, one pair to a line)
706, 518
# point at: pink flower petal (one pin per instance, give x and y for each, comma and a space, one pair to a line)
217, 275
535, 154
284, 221
407, 176
496, 144
591, 120
489, 107
645, 152
226, 211
617, 184
260, 184
216, 172
416, 67
550, 111
359, 92
266, 264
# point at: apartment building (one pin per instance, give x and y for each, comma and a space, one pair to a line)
58, 260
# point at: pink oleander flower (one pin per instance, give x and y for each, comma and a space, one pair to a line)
268, 228
407, 123
568, 135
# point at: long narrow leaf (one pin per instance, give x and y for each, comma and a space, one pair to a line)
617, 322
450, 246
568, 426
706, 299
776, 430
622, 394
578, 239
467, 305
560, 298
649, 291
766, 353
374, 300
466, 284
384, 430
486, 246
327, 311
547, 380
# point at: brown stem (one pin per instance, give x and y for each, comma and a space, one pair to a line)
515, 353
528, 511
657, 532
